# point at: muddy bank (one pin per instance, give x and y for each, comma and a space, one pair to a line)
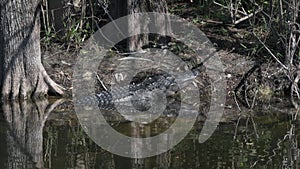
268, 98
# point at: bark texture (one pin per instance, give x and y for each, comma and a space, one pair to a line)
22, 73
137, 24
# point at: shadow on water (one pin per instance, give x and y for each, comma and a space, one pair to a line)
32, 137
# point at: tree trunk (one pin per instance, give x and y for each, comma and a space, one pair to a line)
118, 8
164, 24
22, 73
137, 24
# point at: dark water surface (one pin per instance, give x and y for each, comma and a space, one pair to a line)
266, 140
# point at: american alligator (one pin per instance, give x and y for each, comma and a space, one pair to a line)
138, 93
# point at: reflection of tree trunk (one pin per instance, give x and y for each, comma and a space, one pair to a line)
25, 135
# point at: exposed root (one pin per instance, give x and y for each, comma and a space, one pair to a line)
18, 86
52, 86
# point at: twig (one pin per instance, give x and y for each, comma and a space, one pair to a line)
231, 12
270, 52
252, 105
243, 83
254, 127
295, 116
247, 17
294, 88
223, 6
104, 7
236, 102
245, 95
237, 124
136, 58
102, 84
132, 53
236, 127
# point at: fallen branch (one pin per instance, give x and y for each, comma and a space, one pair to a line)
247, 17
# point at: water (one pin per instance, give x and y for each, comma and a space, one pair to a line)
32, 136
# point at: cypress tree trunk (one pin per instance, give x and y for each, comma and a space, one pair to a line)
164, 24
137, 24
22, 73
118, 8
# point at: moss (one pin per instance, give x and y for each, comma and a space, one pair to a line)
264, 92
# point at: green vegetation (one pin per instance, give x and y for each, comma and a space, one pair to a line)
77, 23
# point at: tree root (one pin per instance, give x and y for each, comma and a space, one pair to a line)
17, 85
53, 87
